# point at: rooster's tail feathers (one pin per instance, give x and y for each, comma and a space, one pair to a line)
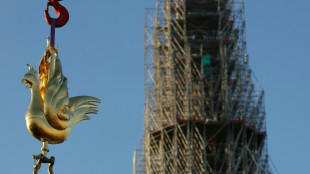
82, 105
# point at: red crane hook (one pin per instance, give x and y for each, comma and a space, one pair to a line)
61, 11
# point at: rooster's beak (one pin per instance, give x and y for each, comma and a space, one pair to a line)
23, 82
28, 85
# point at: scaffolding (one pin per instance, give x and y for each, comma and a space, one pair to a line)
204, 110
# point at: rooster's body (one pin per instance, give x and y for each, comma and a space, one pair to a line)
52, 114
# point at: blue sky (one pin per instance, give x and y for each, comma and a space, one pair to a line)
101, 49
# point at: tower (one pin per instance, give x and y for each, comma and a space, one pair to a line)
204, 110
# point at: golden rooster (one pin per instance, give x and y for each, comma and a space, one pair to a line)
52, 114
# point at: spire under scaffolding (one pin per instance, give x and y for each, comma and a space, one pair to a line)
204, 111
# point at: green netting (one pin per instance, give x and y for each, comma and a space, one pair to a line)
206, 62
206, 59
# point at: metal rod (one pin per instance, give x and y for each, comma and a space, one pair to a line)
53, 33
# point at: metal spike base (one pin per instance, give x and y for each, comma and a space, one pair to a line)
41, 158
